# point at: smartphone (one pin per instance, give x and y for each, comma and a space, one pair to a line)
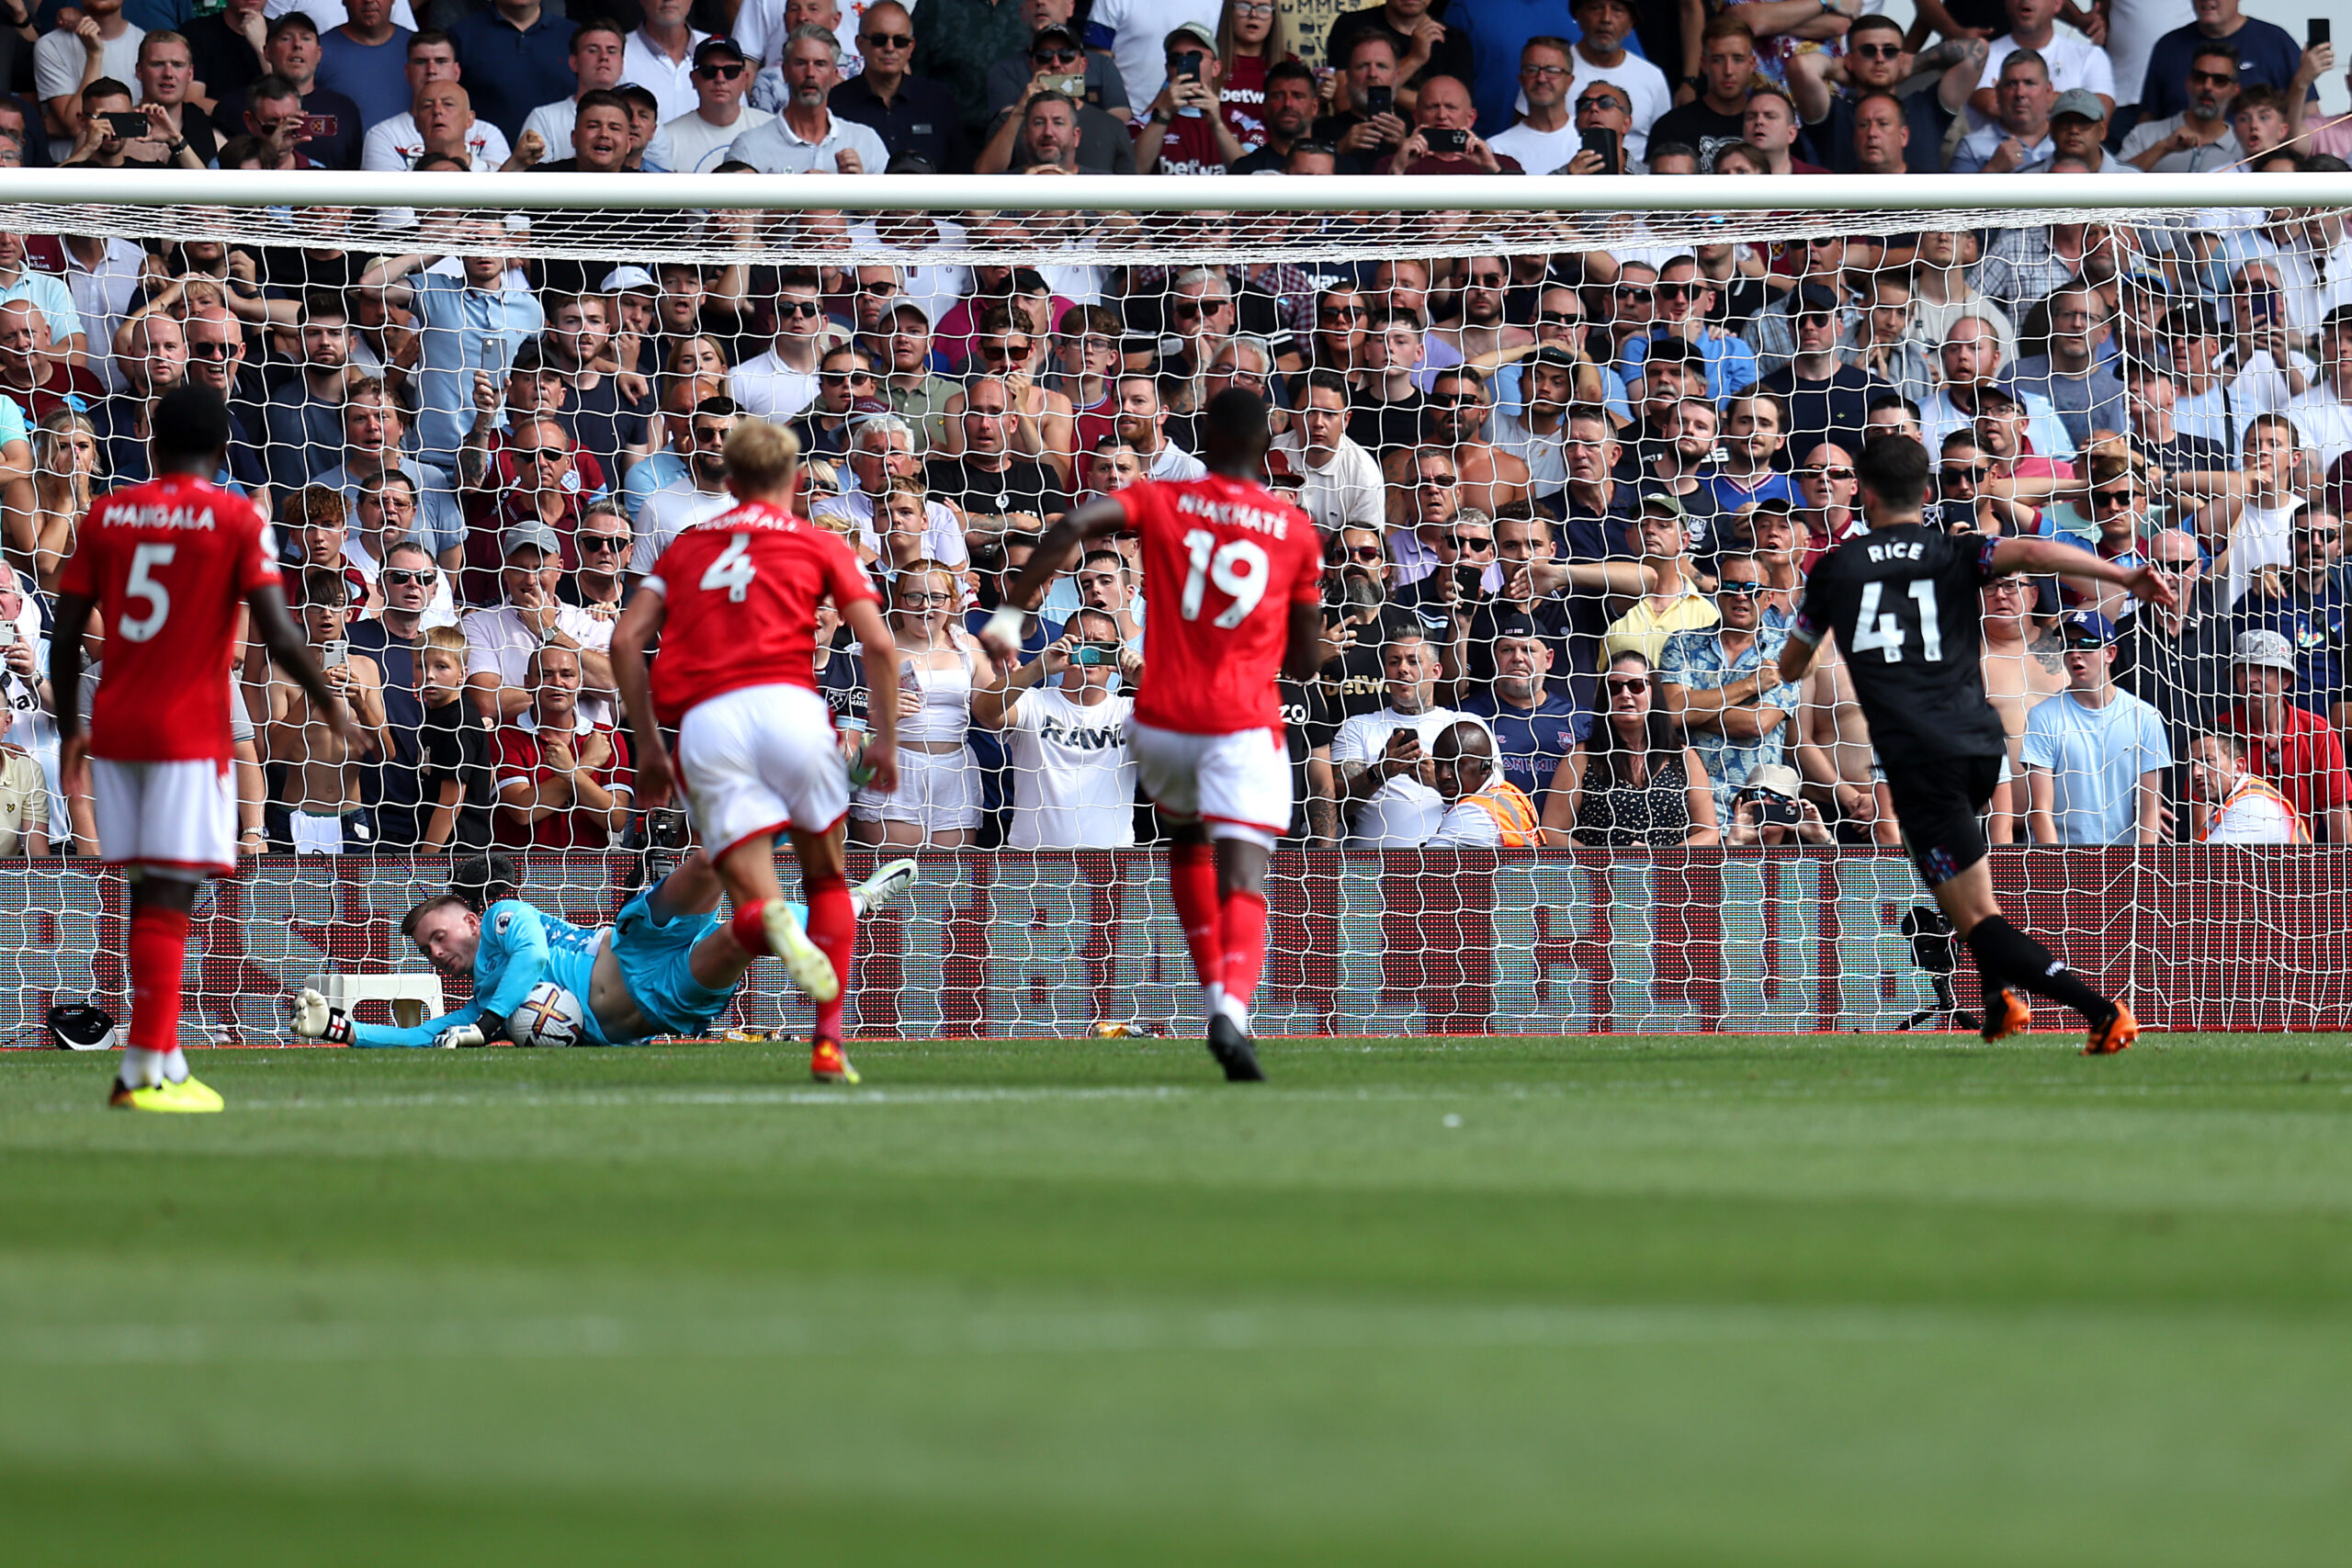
1441, 140
2316, 32
1602, 142
1095, 653
1188, 68
1379, 100
315, 125
1772, 808
7, 634
1468, 578
2262, 307
127, 127
334, 653
1071, 86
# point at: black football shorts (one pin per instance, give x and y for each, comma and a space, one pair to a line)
1939, 801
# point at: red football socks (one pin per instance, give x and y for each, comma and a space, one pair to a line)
749, 926
158, 952
833, 926
1192, 878
1242, 922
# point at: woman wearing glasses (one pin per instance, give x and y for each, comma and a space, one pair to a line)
1636, 779
937, 805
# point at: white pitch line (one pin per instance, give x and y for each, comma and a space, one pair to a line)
1055, 1331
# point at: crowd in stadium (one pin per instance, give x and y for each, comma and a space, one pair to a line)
1573, 495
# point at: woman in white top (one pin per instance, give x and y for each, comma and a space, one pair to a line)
937, 805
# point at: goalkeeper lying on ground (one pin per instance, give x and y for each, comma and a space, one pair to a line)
666, 966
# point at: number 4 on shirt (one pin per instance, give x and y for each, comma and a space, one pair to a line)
1885, 631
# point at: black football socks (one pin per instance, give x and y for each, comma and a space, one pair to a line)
2008, 955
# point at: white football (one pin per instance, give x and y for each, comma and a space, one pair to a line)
550, 1015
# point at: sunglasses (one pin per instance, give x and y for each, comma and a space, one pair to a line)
2114, 497
213, 350
887, 40
2214, 78
1441, 481
717, 73
1556, 318
1877, 51
1468, 545
1635, 684
1059, 56
1739, 590
1487, 279
1971, 476
1455, 400
1634, 296
1187, 309
2320, 535
852, 377
1366, 553
603, 542
2174, 568
1341, 313
1828, 473
1678, 290
400, 577
539, 454
799, 308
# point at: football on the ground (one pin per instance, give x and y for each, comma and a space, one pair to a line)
550, 1015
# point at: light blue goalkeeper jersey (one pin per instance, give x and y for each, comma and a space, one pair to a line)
522, 944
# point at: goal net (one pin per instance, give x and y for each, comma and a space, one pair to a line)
1574, 443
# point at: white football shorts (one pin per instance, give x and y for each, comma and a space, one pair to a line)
1239, 784
176, 819
759, 759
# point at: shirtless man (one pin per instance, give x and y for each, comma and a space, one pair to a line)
2021, 668
1491, 479
322, 814
1481, 328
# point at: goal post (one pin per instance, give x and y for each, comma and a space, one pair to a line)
2213, 296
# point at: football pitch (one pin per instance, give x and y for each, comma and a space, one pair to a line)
1840, 1300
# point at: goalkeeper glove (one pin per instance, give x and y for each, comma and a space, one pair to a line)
316, 1019
458, 1035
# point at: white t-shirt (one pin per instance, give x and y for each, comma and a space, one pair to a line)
696, 146
103, 298
2263, 537
554, 122
1136, 32
1540, 152
58, 59
394, 143
331, 14
1073, 779
668, 512
1644, 85
2326, 421
498, 641
769, 388
1406, 811
2073, 61
759, 27
943, 535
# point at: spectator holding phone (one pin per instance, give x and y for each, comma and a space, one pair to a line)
1184, 129
1365, 133
332, 125
1065, 736
318, 810
1443, 140
1771, 810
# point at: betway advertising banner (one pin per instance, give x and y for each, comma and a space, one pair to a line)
1438, 943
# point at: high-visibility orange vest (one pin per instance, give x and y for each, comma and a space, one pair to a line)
1514, 813
2250, 784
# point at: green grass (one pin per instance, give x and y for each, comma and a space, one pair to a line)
1865, 1301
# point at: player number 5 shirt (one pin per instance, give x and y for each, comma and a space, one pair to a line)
167, 562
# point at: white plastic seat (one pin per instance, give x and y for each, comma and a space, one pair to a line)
414, 996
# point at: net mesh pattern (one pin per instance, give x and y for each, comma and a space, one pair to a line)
1042, 906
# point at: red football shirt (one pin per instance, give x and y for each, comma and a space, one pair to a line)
168, 562
521, 758
1225, 561
742, 590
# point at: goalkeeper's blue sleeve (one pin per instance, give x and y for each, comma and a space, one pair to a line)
515, 955
374, 1034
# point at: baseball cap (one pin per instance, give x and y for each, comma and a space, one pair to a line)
2080, 102
720, 46
1818, 300
1512, 623
1665, 505
621, 280
2088, 628
1198, 33
1675, 351
1552, 354
284, 20
2196, 318
2267, 650
1775, 778
2004, 386
1054, 29
530, 536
